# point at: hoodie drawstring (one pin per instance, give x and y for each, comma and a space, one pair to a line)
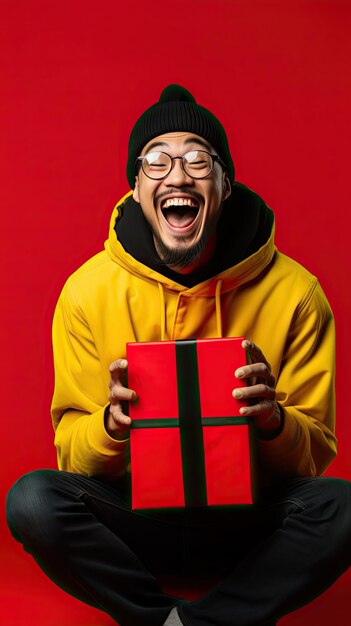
163, 311
218, 308
175, 316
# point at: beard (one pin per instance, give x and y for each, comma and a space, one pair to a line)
182, 256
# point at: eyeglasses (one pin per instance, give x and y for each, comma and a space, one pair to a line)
196, 163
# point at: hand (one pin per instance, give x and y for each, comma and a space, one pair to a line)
260, 395
117, 423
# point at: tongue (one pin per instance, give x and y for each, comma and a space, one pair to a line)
180, 218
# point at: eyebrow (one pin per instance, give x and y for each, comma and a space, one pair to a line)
200, 141
155, 144
163, 144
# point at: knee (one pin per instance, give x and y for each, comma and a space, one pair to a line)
333, 500
29, 505
335, 507
336, 492
325, 500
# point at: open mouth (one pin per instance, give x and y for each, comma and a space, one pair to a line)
180, 212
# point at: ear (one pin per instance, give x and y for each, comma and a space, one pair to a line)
227, 188
136, 191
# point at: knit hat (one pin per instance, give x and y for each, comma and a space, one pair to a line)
177, 110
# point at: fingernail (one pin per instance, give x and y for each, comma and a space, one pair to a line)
122, 363
239, 373
243, 411
237, 393
134, 398
126, 421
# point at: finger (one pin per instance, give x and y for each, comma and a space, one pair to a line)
120, 393
118, 417
256, 370
265, 407
255, 391
118, 368
255, 352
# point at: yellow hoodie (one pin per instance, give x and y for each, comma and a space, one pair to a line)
267, 297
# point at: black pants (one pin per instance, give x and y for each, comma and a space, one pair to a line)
270, 559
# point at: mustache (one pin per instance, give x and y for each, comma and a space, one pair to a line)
177, 190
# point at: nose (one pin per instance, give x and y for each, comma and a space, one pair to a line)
178, 176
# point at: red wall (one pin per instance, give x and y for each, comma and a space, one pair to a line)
74, 77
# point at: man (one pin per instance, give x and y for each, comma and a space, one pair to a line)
190, 254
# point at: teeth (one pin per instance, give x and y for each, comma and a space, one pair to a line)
179, 202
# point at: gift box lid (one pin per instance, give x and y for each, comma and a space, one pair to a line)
164, 373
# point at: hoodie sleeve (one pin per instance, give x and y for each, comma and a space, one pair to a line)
305, 391
81, 397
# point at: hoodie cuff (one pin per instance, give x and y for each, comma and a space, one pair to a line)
286, 442
272, 434
99, 438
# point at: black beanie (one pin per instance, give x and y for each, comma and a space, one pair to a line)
177, 110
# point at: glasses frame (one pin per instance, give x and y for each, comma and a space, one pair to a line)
214, 158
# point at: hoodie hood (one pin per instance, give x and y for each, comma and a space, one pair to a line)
245, 245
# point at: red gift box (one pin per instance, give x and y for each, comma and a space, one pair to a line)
189, 443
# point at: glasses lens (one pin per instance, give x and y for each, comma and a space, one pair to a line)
197, 163
156, 164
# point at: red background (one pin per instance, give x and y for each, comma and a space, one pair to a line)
75, 75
